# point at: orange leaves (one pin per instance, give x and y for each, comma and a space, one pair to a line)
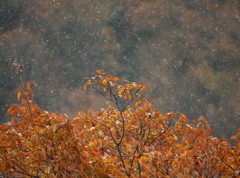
111, 78
26, 93
236, 137
100, 72
120, 94
28, 86
127, 141
129, 91
138, 103
107, 84
170, 115
136, 155
19, 94
104, 82
13, 109
182, 118
87, 84
48, 139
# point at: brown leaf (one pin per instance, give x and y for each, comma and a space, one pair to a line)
19, 94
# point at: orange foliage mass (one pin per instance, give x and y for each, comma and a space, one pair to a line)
129, 138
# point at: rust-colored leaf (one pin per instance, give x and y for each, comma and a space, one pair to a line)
19, 94
100, 72
104, 82
28, 85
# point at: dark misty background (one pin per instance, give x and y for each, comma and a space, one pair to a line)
187, 52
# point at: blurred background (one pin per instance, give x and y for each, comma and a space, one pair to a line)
187, 53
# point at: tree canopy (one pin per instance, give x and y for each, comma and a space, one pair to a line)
128, 138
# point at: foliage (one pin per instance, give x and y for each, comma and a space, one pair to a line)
129, 138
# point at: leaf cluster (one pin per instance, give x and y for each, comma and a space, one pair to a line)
130, 140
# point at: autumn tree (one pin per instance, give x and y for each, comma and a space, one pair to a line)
129, 138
